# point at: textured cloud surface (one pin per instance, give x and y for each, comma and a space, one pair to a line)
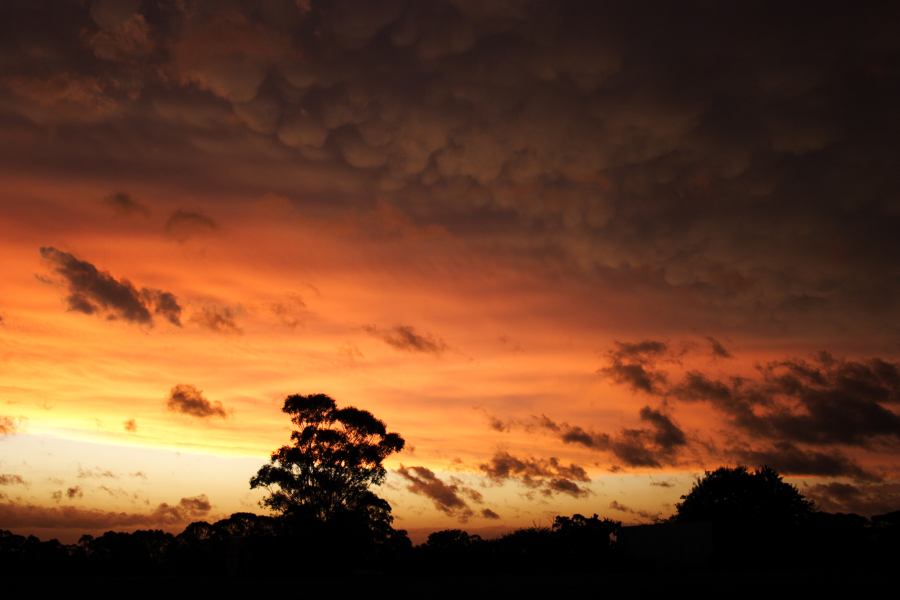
569, 250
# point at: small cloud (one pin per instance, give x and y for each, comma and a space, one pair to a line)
11, 479
633, 364
290, 312
195, 506
489, 514
92, 291
645, 447
404, 337
446, 497
189, 400
8, 426
615, 505
124, 205
183, 225
549, 475
220, 319
130, 425
717, 349
74, 492
96, 473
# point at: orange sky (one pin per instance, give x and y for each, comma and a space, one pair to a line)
467, 257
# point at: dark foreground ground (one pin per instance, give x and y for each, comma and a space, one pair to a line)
693, 584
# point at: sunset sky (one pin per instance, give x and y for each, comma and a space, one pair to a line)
574, 253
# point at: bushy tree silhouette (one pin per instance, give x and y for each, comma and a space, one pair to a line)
757, 518
737, 495
335, 456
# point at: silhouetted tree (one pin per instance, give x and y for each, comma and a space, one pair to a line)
756, 516
739, 495
325, 474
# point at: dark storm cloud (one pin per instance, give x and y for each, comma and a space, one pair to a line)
840, 401
404, 337
189, 400
865, 499
447, 497
550, 476
653, 446
124, 205
183, 225
788, 459
93, 291
738, 159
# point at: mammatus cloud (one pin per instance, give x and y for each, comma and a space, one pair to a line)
549, 476
183, 225
189, 400
588, 146
447, 497
404, 337
124, 205
92, 291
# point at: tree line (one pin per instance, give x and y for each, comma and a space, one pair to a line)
326, 520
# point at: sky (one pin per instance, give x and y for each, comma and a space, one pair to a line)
574, 253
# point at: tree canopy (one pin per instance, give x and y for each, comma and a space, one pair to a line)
737, 495
335, 456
